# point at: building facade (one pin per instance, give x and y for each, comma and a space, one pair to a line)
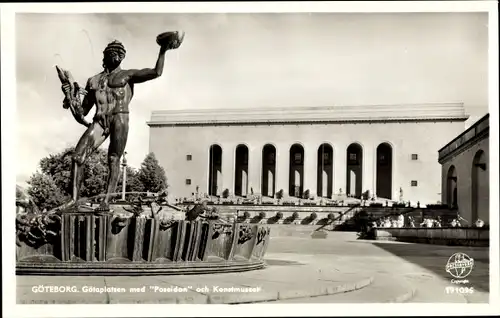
387, 150
465, 172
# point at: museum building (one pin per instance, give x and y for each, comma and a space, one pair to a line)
465, 172
388, 150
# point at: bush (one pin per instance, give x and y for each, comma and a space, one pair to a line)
262, 215
225, 193
331, 216
307, 194
376, 205
366, 195
246, 215
279, 194
295, 215
279, 215
313, 216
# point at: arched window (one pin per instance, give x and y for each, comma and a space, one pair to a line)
215, 170
451, 188
479, 187
384, 171
354, 182
241, 171
325, 171
296, 185
268, 170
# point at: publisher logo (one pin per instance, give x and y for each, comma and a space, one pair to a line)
459, 265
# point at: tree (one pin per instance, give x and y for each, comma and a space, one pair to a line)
44, 192
52, 186
19, 193
151, 175
133, 182
95, 175
58, 167
95, 172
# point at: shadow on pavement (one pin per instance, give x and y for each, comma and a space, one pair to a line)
434, 258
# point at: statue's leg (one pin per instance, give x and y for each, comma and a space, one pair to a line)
91, 140
118, 141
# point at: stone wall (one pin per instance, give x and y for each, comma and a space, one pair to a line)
441, 236
463, 164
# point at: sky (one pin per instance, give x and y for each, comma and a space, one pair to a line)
246, 60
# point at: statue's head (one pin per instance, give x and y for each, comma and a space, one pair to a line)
114, 53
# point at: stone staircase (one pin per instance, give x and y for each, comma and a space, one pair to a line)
337, 218
282, 214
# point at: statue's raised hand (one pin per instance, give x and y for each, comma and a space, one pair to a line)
72, 91
170, 40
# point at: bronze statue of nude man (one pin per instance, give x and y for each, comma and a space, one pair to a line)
111, 92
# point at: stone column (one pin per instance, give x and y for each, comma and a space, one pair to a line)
254, 169
395, 182
282, 167
228, 167
310, 168
339, 167
369, 167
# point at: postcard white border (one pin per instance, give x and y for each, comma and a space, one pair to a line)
9, 118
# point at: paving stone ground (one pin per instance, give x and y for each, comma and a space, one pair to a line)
395, 267
339, 269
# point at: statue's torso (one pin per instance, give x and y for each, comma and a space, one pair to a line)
112, 92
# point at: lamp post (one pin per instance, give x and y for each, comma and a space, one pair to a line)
124, 185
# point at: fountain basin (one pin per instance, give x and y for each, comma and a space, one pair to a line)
89, 244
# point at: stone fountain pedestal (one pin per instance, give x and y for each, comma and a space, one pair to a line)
85, 243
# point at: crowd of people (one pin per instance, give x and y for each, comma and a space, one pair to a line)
408, 221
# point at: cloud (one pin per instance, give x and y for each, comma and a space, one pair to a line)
247, 60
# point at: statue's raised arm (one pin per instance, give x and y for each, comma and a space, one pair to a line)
166, 41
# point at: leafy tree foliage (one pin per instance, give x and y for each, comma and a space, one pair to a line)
19, 194
133, 183
44, 191
95, 175
58, 166
151, 175
52, 186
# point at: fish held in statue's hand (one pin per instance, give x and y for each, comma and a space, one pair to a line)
70, 88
